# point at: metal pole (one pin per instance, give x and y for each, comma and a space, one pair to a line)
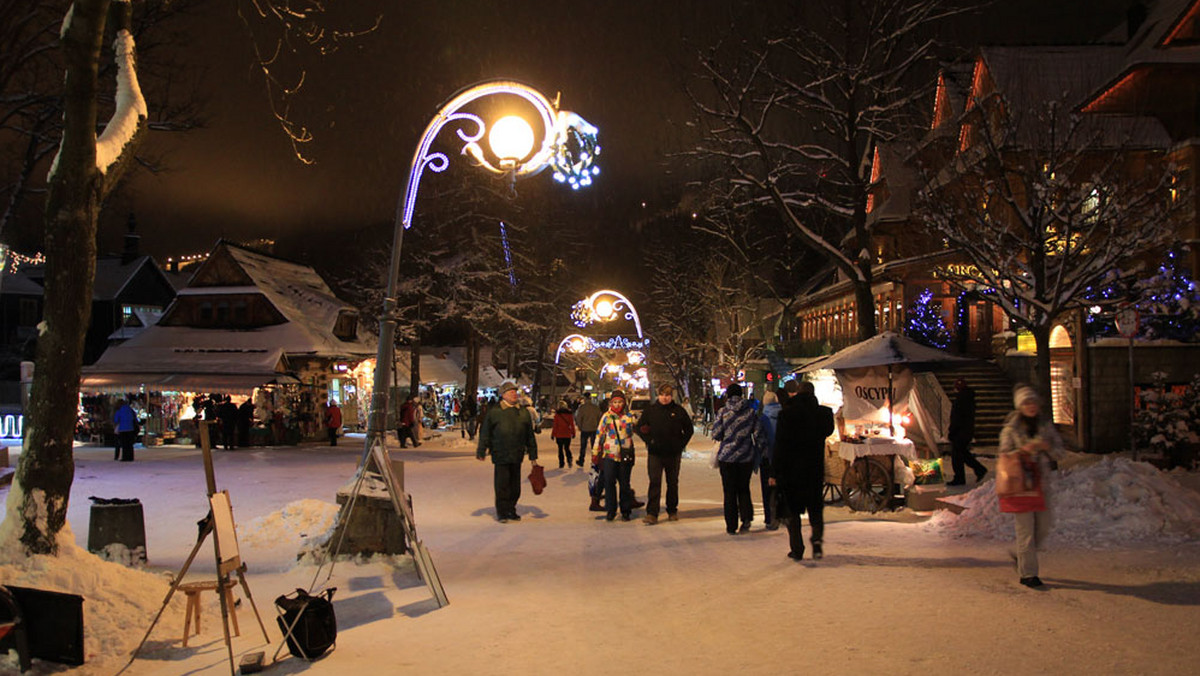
1132, 403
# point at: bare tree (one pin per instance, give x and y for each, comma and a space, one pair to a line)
1047, 205
83, 173
793, 120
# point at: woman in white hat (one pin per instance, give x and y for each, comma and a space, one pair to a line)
1034, 437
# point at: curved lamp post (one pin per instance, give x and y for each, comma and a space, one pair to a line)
604, 306
568, 147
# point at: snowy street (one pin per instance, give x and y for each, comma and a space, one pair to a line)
562, 591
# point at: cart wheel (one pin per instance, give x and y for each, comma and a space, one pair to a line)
866, 485
832, 493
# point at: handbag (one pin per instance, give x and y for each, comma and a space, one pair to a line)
308, 622
537, 479
1019, 483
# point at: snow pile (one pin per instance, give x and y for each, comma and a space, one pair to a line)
299, 523
117, 600
1109, 502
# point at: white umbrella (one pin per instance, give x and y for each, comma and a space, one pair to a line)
886, 348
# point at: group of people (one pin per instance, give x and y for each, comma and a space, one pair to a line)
784, 442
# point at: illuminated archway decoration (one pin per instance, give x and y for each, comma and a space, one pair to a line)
574, 344
604, 306
569, 142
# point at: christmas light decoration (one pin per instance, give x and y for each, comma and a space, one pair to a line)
925, 324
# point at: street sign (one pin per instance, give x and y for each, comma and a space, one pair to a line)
1127, 320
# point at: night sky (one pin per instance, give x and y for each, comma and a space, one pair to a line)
621, 65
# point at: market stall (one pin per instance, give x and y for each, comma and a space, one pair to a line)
879, 403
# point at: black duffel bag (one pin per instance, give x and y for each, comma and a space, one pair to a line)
313, 626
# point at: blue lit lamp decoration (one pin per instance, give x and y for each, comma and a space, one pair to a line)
569, 147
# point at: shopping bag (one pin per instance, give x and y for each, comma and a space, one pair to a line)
1019, 483
537, 479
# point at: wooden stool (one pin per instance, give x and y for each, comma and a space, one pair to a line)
192, 590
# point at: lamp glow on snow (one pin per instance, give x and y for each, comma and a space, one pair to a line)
568, 146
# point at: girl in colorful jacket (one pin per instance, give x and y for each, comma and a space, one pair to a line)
614, 453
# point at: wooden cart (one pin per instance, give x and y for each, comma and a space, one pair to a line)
868, 474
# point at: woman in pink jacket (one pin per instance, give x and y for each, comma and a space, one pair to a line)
563, 432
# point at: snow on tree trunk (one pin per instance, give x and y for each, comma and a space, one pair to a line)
78, 183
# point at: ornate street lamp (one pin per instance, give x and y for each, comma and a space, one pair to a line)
605, 306
568, 148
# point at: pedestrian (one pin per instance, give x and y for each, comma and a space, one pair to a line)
614, 454
962, 431
333, 421
666, 428
507, 434
563, 432
587, 419
1027, 433
227, 413
125, 425
405, 429
534, 415
798, 466
770, 418
245, 419
735, 426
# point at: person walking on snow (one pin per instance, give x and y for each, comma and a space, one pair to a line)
563, 432
962, 431
1028, 433
735, 426
614, 454
507, 434
587, 419
770, 418
333, 421
666, 428
798, 466
125, 425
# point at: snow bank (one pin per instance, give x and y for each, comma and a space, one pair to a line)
1108, 502
296, 525
117, 600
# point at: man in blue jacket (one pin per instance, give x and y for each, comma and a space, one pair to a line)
125, 424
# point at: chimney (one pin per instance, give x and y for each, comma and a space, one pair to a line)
133, 242
1135, 16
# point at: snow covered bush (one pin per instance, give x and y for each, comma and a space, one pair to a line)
1165, 424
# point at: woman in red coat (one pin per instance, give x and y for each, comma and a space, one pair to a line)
563, 432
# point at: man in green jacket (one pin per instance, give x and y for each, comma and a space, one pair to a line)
507, 433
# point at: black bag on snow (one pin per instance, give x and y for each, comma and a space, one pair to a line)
313, 624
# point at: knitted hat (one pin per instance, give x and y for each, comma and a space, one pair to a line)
1024, 393
734, 390
506, 386
617, 394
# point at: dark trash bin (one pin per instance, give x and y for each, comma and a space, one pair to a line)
117, 521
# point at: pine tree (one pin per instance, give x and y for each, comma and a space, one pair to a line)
925, 324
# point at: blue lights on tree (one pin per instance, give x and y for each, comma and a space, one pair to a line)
925, 324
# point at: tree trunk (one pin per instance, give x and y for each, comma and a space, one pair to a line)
43, 481
1041, 338
472, 387
414, 367
864, 307
539, 367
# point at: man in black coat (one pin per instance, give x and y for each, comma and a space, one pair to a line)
962, 431
798, 470
665, 427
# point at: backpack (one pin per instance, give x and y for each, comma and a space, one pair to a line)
312, 621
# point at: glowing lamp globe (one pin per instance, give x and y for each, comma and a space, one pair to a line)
511, 138
604, 309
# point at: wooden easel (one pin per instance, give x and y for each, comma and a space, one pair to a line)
218, 522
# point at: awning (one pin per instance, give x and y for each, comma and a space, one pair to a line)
226, 383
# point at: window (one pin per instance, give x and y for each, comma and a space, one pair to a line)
205, 316
346, 327
223, 312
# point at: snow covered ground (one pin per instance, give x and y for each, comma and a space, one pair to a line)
564, 591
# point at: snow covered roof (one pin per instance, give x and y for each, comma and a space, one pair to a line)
126, 368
